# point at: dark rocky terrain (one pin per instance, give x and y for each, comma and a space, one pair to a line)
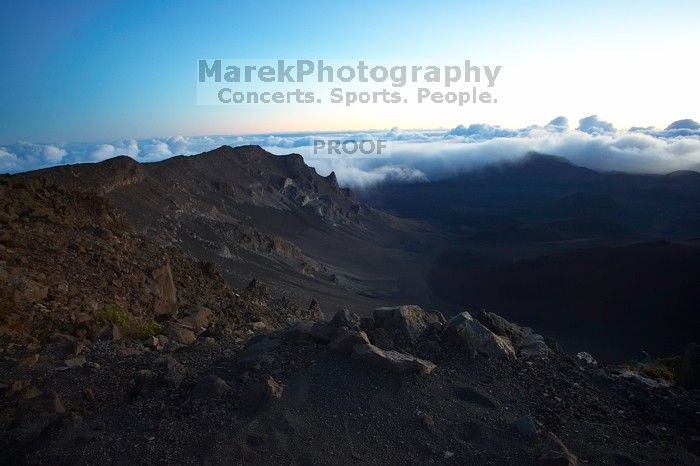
230, 308
605, 261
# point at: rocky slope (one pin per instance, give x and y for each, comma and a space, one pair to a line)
255, 214
120, 347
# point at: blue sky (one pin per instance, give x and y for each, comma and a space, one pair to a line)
102, 70
82, 80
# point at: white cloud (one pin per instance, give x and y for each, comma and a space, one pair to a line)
594, 125
107, 151
53, 154
481, 131
416, 154
559, 123
8, 160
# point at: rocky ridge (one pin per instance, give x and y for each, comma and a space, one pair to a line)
117, 348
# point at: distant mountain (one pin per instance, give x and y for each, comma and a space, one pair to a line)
261, 215
541, 189
247, 174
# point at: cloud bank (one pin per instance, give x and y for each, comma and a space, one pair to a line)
415, 155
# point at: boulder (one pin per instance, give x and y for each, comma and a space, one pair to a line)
555, 453
315, 310
464, 330
198, 319
164, 292
689, 367
24, 290
382, 338
210, 386
586, 357
344, 340
392, 360
533, 346
75, 363
179, 334
109, 332
411, 320
503, 328
345, 318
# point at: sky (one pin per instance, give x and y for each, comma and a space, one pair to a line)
106, 73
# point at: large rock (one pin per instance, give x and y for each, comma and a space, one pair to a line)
527, 343
109, 332
689, 367
392, 360
555, 453
411, 320
198, 319
533, 346
464, 330
179, 334
503, 327
344, 340
345, 318
164, 292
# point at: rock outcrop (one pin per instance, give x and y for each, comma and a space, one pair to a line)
392, 360
464, 330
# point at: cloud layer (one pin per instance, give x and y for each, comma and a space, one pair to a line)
415, 155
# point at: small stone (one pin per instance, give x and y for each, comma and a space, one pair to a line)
78, 349
526, 426
58, 406
172, 371
31, 393
16, 387
198, 319
88, 394
162, 340
259, 394
259, 325
151, 342
210, 386
29, 361
448, 454
74, 363
109, 332
179, 334
427, 420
